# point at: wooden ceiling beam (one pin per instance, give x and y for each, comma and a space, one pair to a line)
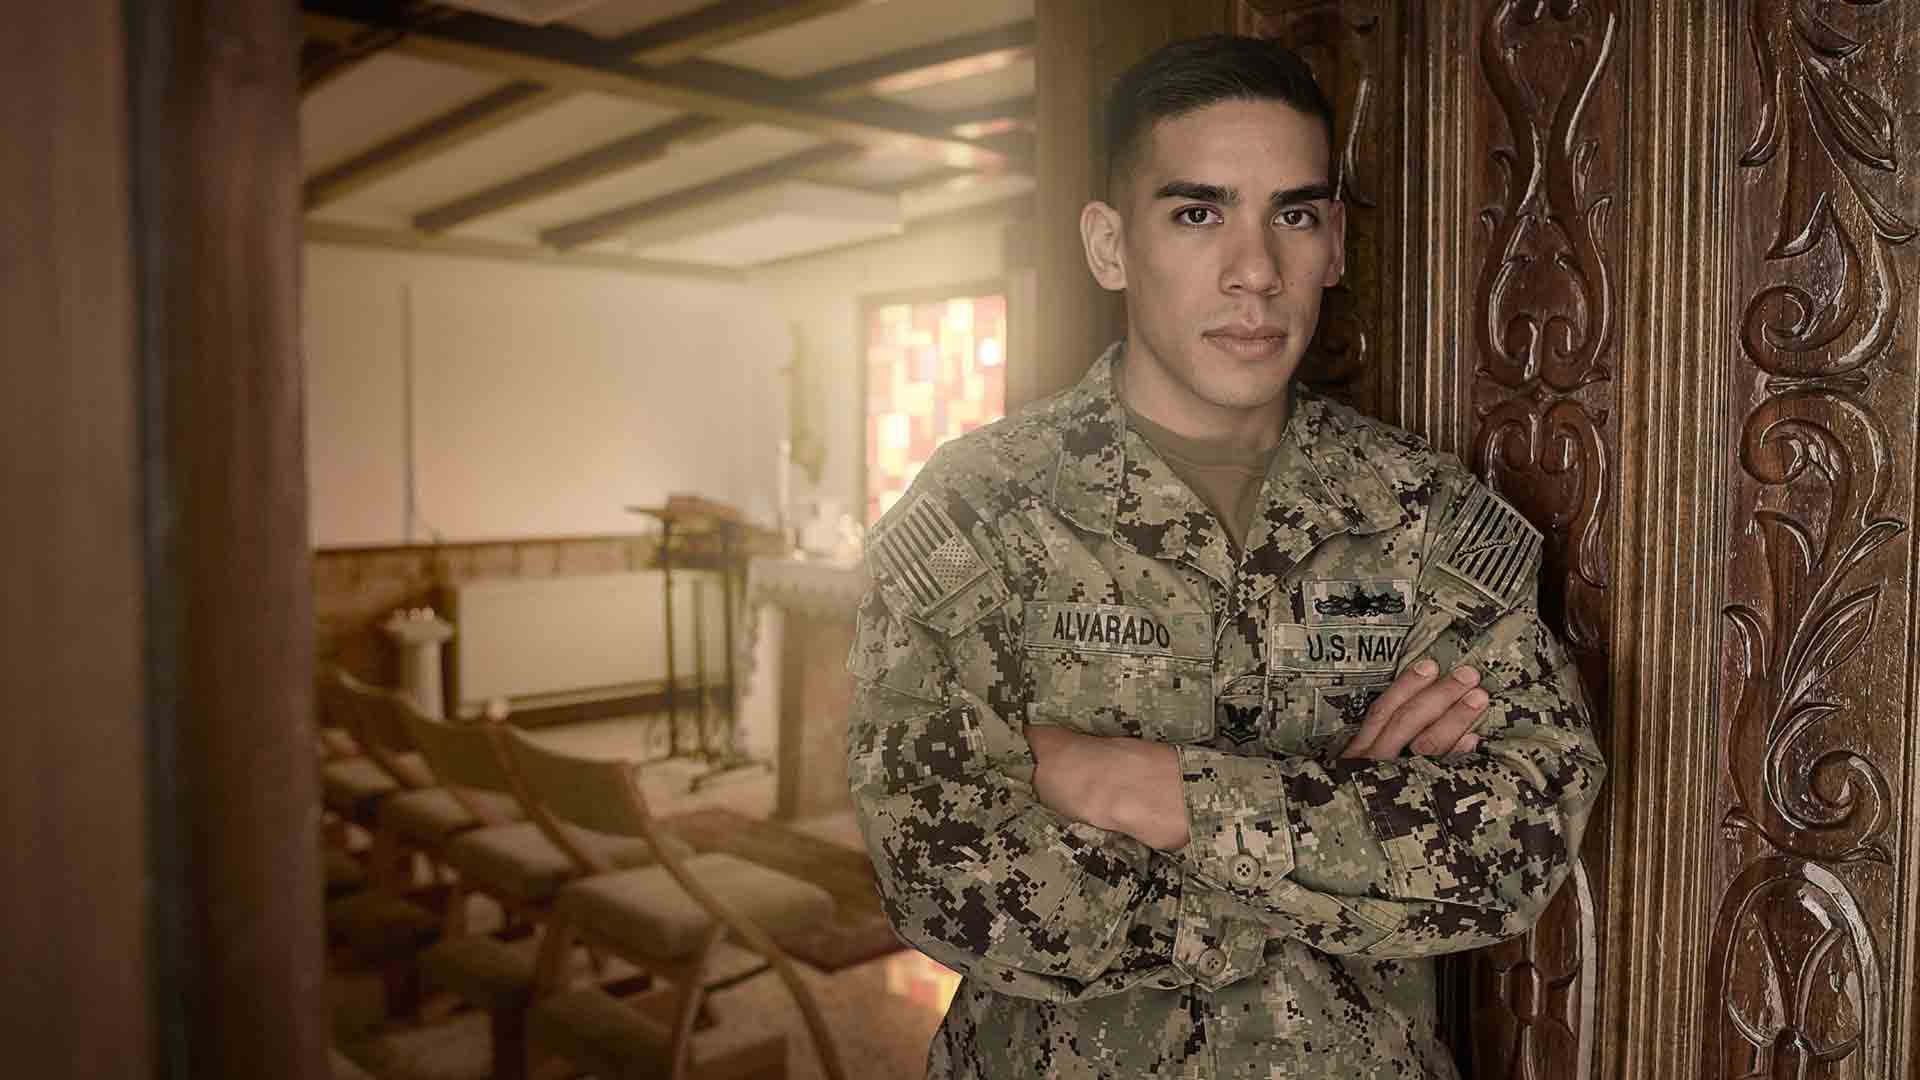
442, 133
654, 143
322, 62
324, 56
586, 230
571, 60
322, 232
717, 24
928, 65
520, 98
598, 226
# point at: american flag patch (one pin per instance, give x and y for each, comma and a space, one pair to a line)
1493, 547
927, 557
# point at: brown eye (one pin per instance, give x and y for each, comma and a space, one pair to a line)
1195, 215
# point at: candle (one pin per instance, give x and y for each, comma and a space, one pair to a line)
783, 484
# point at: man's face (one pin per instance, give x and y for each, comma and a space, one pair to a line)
1227, 234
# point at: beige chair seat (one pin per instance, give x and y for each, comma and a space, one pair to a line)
343, 872
380, 926
598, 1033
520, 860
433, 816
489, 973
650, 911
337, 743
352, 786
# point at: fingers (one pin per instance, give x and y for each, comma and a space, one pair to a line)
1410, 683
1453, 725
1433, 720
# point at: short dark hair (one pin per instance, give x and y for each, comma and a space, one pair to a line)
1186, 76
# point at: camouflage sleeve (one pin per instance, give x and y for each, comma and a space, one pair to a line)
1419, 855
972, 869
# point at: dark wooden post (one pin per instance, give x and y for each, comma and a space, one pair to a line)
216, 180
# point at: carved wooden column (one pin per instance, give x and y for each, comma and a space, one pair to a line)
1543, 337
1812, 956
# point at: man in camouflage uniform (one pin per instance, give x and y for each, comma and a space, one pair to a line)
1129, 744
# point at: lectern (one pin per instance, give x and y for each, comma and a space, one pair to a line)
721, 529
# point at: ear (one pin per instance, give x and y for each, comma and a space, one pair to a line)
1337, 225
1101, 232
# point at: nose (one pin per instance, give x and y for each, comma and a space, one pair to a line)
1252, 265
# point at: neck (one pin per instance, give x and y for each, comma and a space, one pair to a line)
1147, 390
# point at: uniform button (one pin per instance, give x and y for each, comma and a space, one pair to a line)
1212, 962
1245, 869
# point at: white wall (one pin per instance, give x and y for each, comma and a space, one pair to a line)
544, 398
822, 295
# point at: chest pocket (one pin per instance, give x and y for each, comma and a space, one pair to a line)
1110, 670
1317, 715
1327, 675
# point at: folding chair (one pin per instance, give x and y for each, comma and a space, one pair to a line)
494, 852
665, 919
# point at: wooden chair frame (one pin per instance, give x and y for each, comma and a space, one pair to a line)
383, 741
689, 975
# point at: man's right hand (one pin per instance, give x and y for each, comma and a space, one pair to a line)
1423, 711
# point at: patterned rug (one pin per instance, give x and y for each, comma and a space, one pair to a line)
859, 931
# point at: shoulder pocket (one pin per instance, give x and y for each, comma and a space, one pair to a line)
1487, 561
929, 572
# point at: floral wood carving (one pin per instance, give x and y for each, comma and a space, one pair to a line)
1543, 320
1816, 432
1814, 1003
1809, 813
1544, 309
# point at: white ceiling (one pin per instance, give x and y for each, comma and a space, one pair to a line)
392, 92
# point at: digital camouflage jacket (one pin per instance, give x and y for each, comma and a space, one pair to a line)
1051, 568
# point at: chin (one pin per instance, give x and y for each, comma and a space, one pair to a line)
1242, 393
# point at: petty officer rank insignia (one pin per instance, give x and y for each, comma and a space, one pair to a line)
921, 561
1491, 547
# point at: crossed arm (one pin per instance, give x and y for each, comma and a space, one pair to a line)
1134, 786
993, 856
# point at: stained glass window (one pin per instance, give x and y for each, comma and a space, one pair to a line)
934, 370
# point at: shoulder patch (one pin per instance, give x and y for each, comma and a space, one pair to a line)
923, 563
1490, 546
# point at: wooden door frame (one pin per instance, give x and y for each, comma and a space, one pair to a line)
164, 901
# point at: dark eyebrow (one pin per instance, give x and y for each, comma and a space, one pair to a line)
1304, 193
1226, 196
1189, 189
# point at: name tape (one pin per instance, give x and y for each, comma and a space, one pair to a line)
1115, 628
1336, 649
